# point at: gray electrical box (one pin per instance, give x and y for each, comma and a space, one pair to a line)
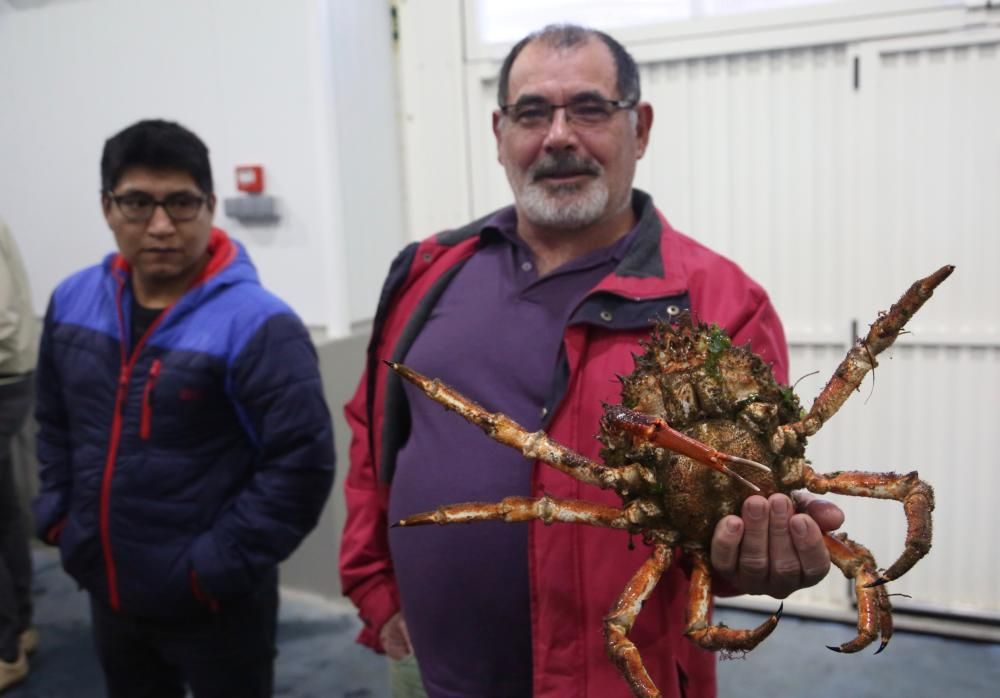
252, 208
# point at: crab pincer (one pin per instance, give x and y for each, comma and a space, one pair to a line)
658, 432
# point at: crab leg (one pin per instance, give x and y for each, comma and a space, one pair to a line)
546, 509
718, 637
915, 494
861, 359
874, 609
657, 431
618, 623
536, 445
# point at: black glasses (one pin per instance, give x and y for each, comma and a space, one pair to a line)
138, 207
582, 111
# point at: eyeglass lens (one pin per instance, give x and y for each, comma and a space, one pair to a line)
585, 112
139, 208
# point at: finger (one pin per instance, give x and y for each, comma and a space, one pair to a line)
388, 640
753, 562
394, 638
726, 545
785, 568
828, 516
395, 645
802, 499
813, 555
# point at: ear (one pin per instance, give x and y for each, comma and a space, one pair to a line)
210, 203
643, 124
497, 131
106, 206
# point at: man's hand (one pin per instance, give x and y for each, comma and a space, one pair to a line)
771, 549
394, 638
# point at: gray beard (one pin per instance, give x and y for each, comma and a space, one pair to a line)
545, 207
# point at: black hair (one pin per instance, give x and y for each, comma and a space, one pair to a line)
158, 145
568, 36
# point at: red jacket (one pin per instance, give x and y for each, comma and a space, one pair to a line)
576, 572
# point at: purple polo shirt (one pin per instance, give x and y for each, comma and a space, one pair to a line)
495, 335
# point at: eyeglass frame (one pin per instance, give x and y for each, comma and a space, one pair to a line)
162, 203
616, 105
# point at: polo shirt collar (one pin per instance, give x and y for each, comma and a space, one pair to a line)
637, 254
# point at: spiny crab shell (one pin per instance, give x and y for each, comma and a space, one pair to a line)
722, 395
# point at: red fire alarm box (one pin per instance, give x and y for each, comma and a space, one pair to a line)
250, 178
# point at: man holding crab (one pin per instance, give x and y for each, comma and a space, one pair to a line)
531, 311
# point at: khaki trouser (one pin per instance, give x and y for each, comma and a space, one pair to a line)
15, 552
404, 679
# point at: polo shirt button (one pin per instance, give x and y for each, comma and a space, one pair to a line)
427, 256
526, 266
545, 412
673, 310
606, 315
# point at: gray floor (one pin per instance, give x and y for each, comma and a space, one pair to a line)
318, 658
317, 655
794, 661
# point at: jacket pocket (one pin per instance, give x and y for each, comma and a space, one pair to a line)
79, 553
146, 423
201, 595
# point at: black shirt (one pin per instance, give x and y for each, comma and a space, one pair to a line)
142, 318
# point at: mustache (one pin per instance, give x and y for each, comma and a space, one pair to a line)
563, 165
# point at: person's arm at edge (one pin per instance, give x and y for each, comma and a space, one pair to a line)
9, 318
365, 564
51, 504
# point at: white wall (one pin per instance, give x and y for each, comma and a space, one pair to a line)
360, 52
304, 87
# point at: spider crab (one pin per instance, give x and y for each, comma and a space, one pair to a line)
692, 401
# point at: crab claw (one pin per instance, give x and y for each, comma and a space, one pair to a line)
657, 431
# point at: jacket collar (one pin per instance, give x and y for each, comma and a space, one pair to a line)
222, 250
644, 259
648, 269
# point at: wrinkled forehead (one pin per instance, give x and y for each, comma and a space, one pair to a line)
560, 73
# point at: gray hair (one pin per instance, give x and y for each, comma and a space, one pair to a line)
567, 36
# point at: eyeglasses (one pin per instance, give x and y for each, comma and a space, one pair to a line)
138, 207
588, 112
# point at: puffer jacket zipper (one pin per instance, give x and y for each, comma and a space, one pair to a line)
124, 377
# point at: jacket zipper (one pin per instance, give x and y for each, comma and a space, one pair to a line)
109, 466
145, 423
124, 376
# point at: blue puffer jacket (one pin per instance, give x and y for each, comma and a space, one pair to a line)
181, 470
